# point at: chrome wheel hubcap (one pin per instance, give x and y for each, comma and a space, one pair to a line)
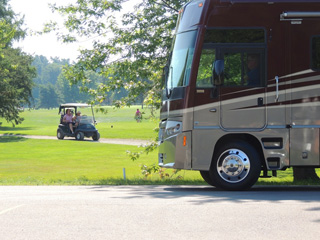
233, 165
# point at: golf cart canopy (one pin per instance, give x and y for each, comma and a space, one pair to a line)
73, 105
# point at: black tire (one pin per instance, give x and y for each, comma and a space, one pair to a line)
206, 176
80, 136
96, 136
60, 134
235, 166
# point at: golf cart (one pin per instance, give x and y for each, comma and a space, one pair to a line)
85, 126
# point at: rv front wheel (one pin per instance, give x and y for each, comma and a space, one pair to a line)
206, 176
235, 166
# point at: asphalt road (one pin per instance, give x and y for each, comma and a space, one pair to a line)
158, 212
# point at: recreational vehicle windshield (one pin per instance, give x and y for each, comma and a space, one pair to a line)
242, 90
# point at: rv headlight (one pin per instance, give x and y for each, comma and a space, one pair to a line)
173, 128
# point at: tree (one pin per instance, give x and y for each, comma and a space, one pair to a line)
40, 63
16, 84
13, 20
52, 72
70, 93
48, 96
130, 50
16, 72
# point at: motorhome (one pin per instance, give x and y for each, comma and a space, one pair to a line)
241, 95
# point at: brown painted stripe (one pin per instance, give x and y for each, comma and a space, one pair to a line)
292, 102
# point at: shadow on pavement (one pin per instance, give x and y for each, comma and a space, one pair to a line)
206, 194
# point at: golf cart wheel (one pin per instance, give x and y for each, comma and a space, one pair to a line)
60, 134
79, 135
96, 136
235, 166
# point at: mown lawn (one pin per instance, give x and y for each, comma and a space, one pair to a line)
32, 161
117, 123
69, 162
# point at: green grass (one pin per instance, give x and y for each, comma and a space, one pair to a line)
49, 162
115, 124
69, 162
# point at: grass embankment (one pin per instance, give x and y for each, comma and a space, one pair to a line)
68, 162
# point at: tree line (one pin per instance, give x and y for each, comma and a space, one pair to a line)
51, 88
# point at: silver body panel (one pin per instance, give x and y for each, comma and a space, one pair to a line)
235, 116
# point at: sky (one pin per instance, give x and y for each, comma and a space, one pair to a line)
37, 13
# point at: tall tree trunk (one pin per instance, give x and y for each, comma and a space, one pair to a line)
304, 173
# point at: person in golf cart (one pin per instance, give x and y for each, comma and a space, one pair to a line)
77, 119
68, 119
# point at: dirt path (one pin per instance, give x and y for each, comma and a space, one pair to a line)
133, 142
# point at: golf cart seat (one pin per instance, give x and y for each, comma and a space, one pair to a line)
61, 118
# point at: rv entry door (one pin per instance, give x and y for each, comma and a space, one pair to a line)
242, 91
304, 91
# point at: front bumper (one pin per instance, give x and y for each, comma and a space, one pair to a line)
174, 150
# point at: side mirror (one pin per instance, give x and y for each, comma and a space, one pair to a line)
218, 69
165, 76
165, 72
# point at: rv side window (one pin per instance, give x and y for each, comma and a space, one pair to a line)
315, 51
204, 78
243, 68
242, 52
